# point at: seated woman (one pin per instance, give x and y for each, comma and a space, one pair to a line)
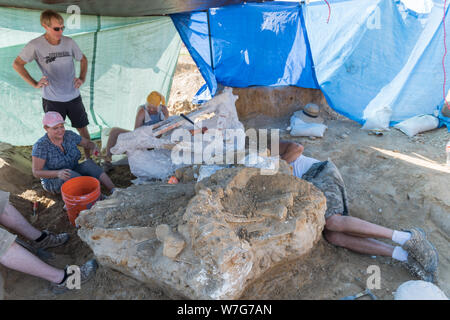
153, 111
55, 156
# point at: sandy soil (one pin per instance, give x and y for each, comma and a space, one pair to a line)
392, 180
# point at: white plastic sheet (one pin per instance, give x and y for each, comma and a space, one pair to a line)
302, 129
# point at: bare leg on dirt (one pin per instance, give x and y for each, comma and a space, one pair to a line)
357, 235
357, 227
358, 244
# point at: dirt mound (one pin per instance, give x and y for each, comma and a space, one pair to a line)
15, 168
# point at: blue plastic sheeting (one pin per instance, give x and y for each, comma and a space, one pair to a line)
251, 44
202, 95
193, 30
377, 53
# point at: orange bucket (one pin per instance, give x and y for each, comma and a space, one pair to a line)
79, 194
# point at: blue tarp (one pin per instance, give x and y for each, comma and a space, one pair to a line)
370, 55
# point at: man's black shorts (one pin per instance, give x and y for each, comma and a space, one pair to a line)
74, 109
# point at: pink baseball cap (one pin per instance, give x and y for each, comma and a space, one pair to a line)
52, 119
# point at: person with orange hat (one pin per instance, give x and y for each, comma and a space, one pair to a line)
55, 156
152, 112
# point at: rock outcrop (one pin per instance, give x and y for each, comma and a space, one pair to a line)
208, 240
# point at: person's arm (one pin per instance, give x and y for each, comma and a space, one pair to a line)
83, 71
140, 116
165, 111
19, 66
39, 172
290, 151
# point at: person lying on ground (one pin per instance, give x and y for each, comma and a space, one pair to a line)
413, 249
150, 113
55, 156
16, 257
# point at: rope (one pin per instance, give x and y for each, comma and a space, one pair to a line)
329, 10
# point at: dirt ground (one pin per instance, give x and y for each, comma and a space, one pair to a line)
391, 180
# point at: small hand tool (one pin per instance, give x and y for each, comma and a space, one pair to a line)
186, 118
34, 215
200, 130
366, 292
35, 208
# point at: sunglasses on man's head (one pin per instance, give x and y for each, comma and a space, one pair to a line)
58, 28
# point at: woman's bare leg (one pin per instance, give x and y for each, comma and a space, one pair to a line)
360, 245
357, 227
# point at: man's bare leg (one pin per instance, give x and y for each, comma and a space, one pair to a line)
13, 219
20, 259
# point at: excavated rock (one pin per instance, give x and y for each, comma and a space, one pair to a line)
208, 240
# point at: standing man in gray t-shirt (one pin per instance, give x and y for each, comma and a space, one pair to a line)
54, 54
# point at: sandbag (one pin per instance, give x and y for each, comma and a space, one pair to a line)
417, 124
300, 128
419, 290
377, 118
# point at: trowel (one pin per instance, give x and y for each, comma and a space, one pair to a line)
34, 216
366, 292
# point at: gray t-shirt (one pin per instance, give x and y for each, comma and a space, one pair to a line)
56, 63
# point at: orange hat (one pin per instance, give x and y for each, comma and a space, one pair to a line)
155, 98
